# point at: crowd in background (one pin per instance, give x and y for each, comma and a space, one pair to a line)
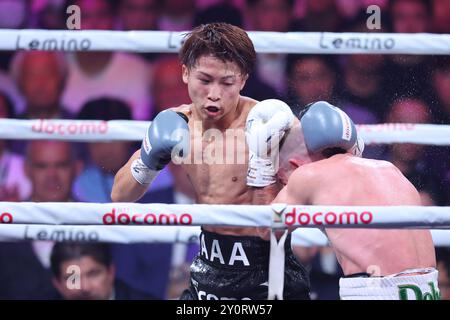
136, 86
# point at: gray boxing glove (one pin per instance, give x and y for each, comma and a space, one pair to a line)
167, 137
326, 126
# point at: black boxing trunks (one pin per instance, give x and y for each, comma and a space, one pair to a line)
237, 268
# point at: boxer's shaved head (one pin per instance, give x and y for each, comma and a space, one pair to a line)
293, 152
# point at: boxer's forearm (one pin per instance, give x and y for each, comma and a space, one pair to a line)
265, 195
125, 187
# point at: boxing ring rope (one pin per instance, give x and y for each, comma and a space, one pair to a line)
128, 130
165, 41
168, 223
270, 216
264, 42
306, 237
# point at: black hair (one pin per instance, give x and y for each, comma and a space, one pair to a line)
65, 251
222, 41
293, 59
105, 109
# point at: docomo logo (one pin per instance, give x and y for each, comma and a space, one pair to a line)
329, 218
69, 127
6, 217
148, 218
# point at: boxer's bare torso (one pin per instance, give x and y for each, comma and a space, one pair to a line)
212, 83
222, 183
348, 180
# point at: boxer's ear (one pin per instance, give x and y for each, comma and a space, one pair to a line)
295, 163
185, 73
244, 80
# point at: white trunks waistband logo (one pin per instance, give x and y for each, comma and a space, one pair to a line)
406, 290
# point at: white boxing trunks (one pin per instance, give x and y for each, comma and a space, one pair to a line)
411, 284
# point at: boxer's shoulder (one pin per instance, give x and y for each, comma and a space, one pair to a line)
247, 103
186, 109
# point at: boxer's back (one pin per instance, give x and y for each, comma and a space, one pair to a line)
349, 180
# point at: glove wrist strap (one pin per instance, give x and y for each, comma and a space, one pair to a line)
261, 172
141, 173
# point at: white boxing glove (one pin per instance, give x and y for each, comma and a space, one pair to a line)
267, 123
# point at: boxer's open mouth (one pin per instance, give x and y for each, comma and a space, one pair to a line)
212, 110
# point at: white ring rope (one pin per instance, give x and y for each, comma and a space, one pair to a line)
305, 237
274, 216
37, 220
113, 234
127, 130
268, 42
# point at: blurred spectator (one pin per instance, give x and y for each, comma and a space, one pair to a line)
40, 76
104, 159
51, 14
413, 159
177, 15
409, 75
51, 166
144, 267
14, 186
270, 15
14, 14
441, 108
311, 78
220, 12
443, 266
96, 278
441, 86
169, 91
276, 16
410, 16
321, 15
349, 9
96, 14
139, 14
8, 87
361, 91
114, 74
441, 14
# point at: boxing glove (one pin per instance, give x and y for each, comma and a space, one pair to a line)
166, 137
325, 126
266, 124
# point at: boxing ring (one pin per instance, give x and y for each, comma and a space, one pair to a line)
132, 223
